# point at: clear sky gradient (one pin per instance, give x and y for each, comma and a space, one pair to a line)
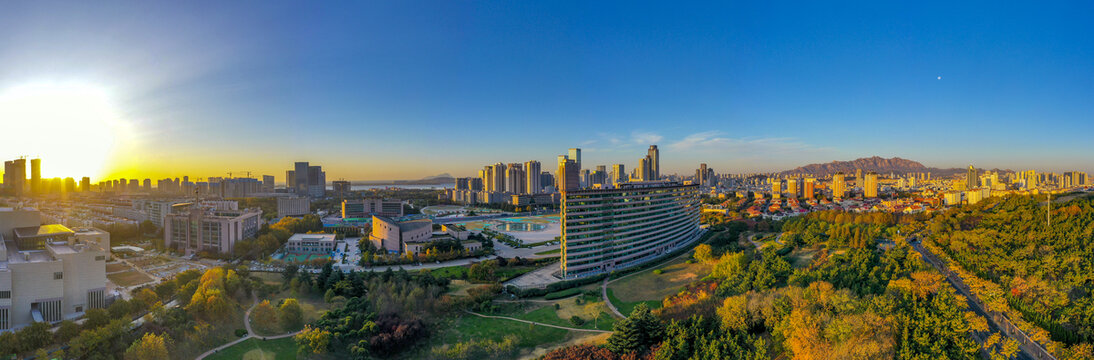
407, 89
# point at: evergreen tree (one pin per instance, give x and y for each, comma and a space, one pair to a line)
636, 333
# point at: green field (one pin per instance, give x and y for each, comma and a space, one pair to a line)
470, 327
547, 314
549, 252
128, 278
254, 349
626, 307
646, 286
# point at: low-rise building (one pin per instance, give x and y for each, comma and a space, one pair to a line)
392, 235
311, 243
48, 273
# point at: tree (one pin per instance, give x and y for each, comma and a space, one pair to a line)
34, 336
637, 333
150, 346
313, 340
264, 316
592, 310
291, 315
67, 330
289, 272
704, 253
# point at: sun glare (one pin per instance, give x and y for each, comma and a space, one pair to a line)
72, 127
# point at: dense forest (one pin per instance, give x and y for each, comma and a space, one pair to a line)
1038, 273
866, 294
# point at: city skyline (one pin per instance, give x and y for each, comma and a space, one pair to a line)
743, 88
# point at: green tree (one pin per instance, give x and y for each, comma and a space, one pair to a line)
313, 340
291, 315
264, 316
34, 336
637, 333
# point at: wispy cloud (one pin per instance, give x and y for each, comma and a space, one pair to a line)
716, 141
645, 138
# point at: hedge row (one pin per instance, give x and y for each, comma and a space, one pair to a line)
562, 294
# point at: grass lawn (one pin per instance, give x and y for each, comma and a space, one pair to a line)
451, 272
272, 278
626, 307
254, 349
313, 307
460, 287
802, 257
128, 278
546, 313
647, 286
117, 267
470, 327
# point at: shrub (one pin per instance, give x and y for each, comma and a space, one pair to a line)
558, 306
577, 321
241, 332
657, 272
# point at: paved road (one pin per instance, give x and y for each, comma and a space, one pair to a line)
536, 323
1029, 349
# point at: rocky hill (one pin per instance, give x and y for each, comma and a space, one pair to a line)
877, 164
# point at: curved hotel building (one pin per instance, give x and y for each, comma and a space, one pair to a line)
615, 228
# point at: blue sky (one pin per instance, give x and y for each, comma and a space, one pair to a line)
405, 89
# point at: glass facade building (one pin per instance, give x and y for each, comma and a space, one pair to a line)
610, 229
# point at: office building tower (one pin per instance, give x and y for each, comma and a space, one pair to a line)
36, 176
568, 176
972, 179
619, 174
776, 188
605, 230
487, 175
317, 181
15, 176
268, 183
498, 179
514, 179
294, 206
531, 173
85, 184
147, 185
546, 180
645, 172
475, 184
575, 155
290, 180
839, 186
196, 227
792, 187
809, 188
70, 185
869, 186
300, 173
654, 156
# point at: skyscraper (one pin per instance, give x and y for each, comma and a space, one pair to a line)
810, 187
655, 162
869, 186
839, 187
531, 173
575, 155
619, 174
268, 183
85, 184
792, 187
36, 176
644, 170
15, 176
972, 179
776, 187
568, 175
514, 179
498, 177
290, 180
300, 174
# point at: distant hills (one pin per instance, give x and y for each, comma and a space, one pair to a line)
441, 179
877, 164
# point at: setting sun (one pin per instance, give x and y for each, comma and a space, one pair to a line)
75, 126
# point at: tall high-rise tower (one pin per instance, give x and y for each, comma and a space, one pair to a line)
36, 176
300, 177
575, 155
619, 174
972, 179
839, 186
531, 172
655, 162
568, 174
810, 186
869, 186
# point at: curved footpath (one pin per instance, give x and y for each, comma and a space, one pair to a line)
608, 280
536, 323
250, 334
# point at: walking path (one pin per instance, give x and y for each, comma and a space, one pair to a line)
608, 280
1029, 349
250, 334
535, 323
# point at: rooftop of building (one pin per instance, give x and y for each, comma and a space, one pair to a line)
42, 230
313, 237
407, 225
